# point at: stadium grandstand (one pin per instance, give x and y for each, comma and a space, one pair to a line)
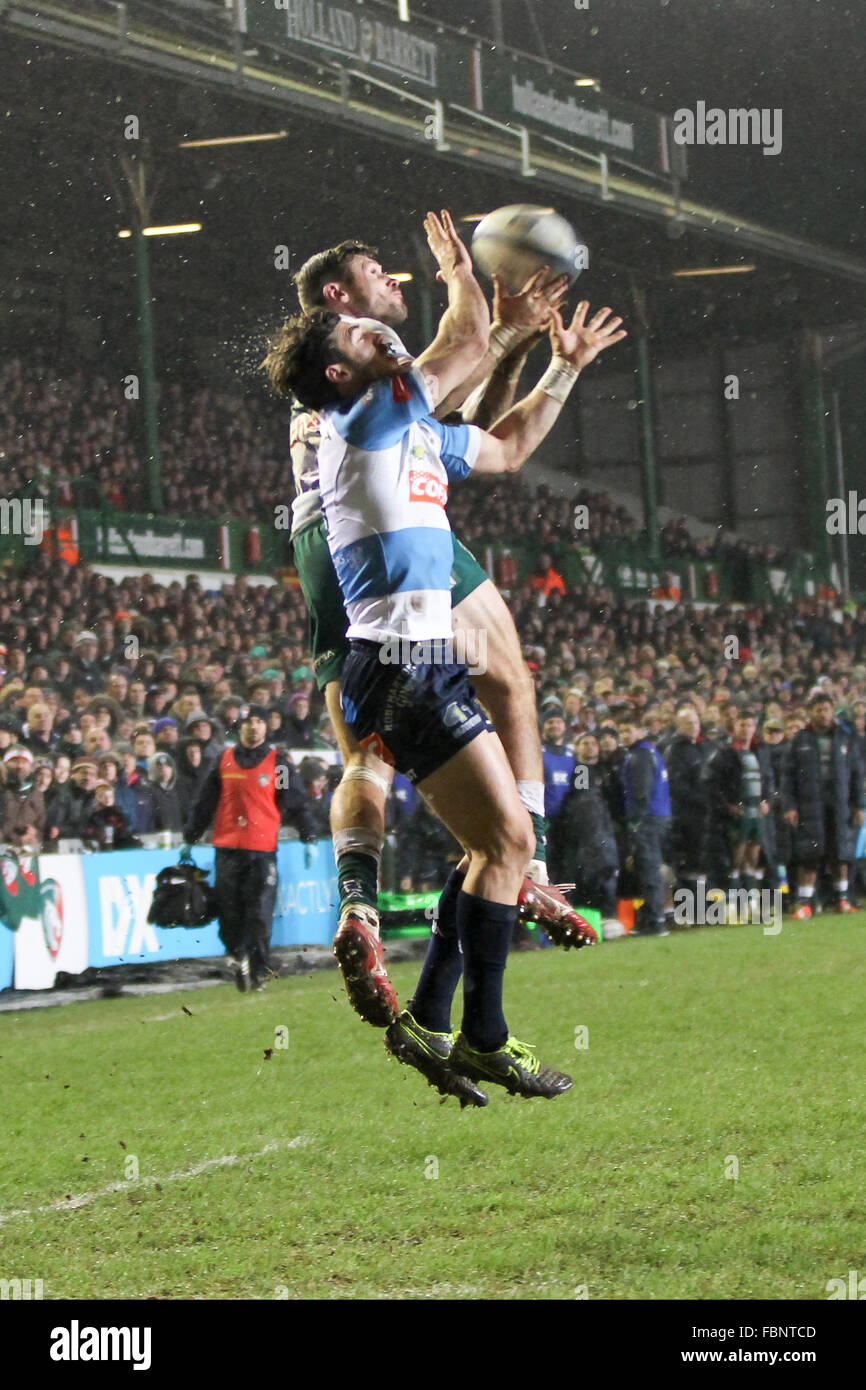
680, 556
668, 545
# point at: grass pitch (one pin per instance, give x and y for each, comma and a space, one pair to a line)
711, 1147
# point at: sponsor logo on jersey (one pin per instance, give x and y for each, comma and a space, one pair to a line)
426, 487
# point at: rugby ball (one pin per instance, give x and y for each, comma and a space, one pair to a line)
515, 241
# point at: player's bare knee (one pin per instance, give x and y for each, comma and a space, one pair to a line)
502, 685
510, 841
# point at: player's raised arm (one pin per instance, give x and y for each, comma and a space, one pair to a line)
462, 336
507, 446
519, 320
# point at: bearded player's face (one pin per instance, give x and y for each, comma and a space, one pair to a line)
373, 294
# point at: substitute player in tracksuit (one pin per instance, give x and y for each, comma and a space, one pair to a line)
246, 795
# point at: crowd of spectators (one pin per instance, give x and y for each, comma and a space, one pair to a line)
117, 696
730, 802
485, 513
73, 438
116, 699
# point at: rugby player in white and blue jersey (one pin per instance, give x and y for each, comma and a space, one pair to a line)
349, 279
384, 467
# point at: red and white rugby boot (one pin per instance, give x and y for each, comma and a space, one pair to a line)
547, 905
362, 961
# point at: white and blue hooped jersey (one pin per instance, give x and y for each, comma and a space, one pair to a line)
384, 466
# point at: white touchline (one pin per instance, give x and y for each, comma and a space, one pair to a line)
84, 1198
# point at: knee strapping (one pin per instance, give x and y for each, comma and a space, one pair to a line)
358, 772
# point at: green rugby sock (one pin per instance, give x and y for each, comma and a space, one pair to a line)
358, 878
539, 825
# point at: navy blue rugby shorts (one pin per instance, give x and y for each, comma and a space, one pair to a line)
415, 717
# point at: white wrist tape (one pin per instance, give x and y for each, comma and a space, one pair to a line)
559, 379
502, 339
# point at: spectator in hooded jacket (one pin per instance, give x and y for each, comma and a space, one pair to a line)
191, 772
208, 734
275, 723
162, 777
298, 725
822, 796
611, 756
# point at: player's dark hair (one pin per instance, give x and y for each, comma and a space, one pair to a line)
820, 699
333, 264
297, 357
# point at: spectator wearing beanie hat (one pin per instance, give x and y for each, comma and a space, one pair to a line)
165, 732
71, 737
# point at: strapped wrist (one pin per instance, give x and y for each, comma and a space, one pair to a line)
503, 337
559, 379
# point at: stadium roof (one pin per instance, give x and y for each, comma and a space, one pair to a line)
358, 166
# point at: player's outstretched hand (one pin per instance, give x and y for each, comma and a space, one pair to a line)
528, 311
581, 342
449, 251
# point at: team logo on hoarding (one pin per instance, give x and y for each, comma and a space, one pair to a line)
19, 889
52, 916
